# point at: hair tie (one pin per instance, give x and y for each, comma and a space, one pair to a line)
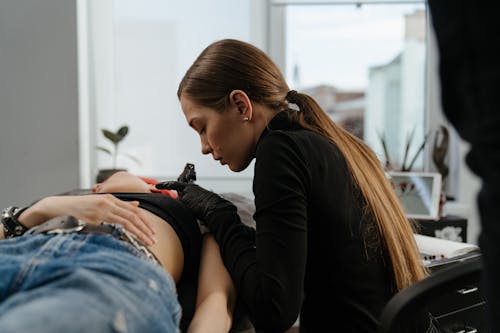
291, 96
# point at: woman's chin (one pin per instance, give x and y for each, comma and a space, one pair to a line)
237, 167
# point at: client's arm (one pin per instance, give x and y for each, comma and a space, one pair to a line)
93, 209
216, 292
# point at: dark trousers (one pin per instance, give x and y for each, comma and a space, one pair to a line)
467, 33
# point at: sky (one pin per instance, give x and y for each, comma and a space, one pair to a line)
336, 44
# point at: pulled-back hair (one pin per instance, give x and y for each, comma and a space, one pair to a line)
229, 64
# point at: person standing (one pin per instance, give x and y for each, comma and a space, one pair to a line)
469, 69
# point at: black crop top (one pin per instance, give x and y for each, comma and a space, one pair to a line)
180, 218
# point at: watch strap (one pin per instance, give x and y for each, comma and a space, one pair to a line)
11, 225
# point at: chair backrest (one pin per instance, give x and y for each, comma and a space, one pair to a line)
403, 306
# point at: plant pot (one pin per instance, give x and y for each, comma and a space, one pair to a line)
106, 173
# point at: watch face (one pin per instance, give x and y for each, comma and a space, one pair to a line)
8, 212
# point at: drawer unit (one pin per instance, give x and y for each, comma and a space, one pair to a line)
467, 320
462, 298
462, 310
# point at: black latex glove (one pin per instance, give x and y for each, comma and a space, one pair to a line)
204, 204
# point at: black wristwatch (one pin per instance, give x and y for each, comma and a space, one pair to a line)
11, 226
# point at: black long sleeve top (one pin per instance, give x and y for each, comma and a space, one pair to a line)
314, 250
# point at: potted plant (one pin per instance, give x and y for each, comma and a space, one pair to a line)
115, 138
404, 166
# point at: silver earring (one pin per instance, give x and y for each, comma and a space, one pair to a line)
246, 119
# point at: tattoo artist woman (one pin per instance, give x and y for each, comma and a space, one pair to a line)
332, 241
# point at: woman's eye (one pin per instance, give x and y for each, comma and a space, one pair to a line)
202, 131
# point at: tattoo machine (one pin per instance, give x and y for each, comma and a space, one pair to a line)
188, 175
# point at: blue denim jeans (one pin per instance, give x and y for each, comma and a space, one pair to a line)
83, 283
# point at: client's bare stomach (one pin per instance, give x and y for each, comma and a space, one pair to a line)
168, 247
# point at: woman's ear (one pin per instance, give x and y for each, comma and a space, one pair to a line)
240, 100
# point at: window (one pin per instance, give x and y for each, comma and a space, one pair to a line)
365, 63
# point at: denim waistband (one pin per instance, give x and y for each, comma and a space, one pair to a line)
69, 224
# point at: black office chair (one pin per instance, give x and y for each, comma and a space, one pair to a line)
401, 309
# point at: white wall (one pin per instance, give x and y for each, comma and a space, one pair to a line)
38, 99
139, 52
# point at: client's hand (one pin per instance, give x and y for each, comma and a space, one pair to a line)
92, 209
203, 203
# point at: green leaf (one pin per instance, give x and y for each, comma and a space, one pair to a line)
409, 139
123, 131
116, 138
420, 149
113, 137
388, 162
104, 150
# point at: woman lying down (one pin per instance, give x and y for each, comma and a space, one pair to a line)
109, 262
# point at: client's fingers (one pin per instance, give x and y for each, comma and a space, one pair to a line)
130, 210
148, 240
128, 225
134, 221
140, 219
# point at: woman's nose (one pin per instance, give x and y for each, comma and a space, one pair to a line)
205, 147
